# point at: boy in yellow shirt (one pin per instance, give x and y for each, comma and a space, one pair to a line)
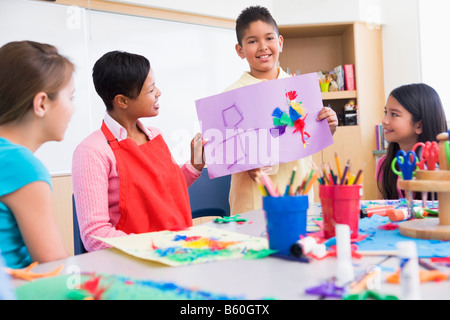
261, 44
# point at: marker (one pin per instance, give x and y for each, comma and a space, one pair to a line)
380, 210
261, 187
269, 186
351, 180
262, 190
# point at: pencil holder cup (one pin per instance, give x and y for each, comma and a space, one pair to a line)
324, 86
285, 221
340, 205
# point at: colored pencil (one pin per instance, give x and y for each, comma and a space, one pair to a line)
338, 165
311, 183
358, 175
291, 182
309, 178
344, 175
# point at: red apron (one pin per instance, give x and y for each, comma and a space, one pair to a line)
153, 191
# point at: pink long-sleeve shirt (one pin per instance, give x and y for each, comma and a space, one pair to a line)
96, 184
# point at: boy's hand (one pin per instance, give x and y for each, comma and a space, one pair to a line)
256, 173
197, 152
330, 115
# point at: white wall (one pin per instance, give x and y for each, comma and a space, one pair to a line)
399, 20
81, 35
401, 44
435, 47
324, 11
228, 9
190, 62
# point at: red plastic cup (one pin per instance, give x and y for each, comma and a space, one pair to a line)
340, 205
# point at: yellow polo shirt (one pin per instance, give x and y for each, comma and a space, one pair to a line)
244, 193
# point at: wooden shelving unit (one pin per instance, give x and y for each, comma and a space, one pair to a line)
339, 95
313, 48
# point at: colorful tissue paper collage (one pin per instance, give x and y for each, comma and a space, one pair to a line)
197, 244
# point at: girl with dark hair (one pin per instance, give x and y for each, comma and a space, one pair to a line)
413, 113
36, 91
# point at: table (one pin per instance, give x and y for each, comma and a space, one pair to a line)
246, 279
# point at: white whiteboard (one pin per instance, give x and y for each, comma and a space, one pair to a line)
190, 62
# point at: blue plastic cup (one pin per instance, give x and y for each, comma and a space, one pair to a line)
285, 221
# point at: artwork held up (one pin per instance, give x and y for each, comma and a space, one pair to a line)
250, 127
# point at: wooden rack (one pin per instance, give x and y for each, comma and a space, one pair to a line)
431, 181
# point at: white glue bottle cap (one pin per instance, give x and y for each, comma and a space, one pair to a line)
308, 244
344, 273
303, 246
409, 270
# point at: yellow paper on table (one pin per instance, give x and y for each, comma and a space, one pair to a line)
197, 244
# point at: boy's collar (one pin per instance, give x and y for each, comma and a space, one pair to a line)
248, 79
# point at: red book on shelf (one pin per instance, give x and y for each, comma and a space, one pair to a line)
349, 77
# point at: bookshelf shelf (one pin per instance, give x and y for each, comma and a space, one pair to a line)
338, 95
379, 152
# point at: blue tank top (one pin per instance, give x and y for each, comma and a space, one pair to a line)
18, 167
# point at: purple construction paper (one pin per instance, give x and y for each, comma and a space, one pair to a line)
240, 129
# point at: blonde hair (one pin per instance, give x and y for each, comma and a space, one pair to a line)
27, 68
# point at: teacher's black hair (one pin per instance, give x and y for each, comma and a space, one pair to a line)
119, 72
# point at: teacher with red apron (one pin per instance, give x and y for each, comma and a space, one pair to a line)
125, 178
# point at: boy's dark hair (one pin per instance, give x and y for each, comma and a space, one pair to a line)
424, 104
119, 72
252, 14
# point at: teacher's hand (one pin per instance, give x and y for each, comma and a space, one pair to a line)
197, 152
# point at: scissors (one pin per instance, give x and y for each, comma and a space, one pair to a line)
430, 155
407, 163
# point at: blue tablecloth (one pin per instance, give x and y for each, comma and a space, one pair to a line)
380, 239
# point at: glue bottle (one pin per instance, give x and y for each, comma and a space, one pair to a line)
402, 214
303, 246
344, 272
409, 270
398, 214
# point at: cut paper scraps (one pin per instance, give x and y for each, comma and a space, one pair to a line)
111, 287
385, 240
28, 274
380, 238
294, 118
263, 124
197, 244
